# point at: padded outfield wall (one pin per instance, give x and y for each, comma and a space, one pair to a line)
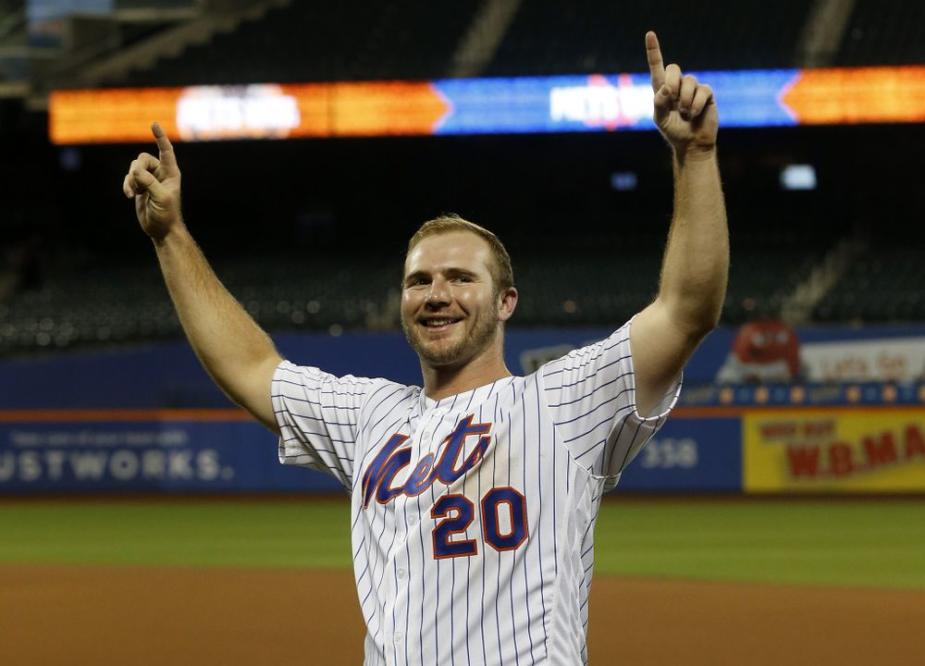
147, 419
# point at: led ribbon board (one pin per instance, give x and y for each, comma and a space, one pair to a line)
521, 105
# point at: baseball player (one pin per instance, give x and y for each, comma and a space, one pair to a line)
474, 497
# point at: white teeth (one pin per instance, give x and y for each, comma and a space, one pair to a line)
438, 322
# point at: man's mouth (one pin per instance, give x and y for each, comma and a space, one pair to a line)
438, 323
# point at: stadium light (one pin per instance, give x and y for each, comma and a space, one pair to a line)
624, 181
798, 177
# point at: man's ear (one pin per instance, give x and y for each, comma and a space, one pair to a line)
507, 303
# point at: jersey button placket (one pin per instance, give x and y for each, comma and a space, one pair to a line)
433, 421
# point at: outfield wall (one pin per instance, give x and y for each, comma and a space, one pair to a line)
148, 419
700, 449
838, 449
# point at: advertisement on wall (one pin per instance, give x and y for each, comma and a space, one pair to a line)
773, 351
216, 451
834, 450
689, 455
755, 450
775, 428
152, 455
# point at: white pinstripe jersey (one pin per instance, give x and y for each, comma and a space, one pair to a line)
473, 516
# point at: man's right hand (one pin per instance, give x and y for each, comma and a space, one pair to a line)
154, 182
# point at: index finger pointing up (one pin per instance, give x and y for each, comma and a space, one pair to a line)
164, 147
656, 65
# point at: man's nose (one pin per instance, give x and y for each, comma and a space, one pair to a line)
438, 294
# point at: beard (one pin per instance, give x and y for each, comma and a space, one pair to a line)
444, 353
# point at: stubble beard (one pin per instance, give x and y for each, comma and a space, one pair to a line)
461, 351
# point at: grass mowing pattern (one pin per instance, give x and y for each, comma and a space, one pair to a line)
872, 543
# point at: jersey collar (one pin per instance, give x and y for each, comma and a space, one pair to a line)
463, 401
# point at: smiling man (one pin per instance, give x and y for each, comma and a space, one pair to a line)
457, 293
474, 497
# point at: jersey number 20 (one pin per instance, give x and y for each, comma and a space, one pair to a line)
458, 512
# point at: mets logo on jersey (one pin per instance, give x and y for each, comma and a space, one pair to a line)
380, 475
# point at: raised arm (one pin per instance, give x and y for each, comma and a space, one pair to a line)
236, 353
696, 260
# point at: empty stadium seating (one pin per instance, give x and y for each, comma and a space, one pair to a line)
111, 305
594, 36
884, 34
884, 284
306, 41
554, 182
593, 280
351, 40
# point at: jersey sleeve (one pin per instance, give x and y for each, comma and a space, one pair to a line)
317, 414
591, 395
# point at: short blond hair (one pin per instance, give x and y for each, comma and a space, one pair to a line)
501, 272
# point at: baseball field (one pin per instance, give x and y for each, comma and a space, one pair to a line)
677, 581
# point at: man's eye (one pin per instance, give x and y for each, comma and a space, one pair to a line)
462, 278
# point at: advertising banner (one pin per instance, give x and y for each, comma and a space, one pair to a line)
834, 450
689, 455
224, 451
216, 450
891, 360
755, 450
768, 351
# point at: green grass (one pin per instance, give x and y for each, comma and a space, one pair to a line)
869, 543
232, 533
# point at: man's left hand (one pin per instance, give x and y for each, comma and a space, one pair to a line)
685, 110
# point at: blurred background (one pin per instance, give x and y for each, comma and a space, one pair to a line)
314, 138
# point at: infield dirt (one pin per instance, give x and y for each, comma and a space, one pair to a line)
218, 616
